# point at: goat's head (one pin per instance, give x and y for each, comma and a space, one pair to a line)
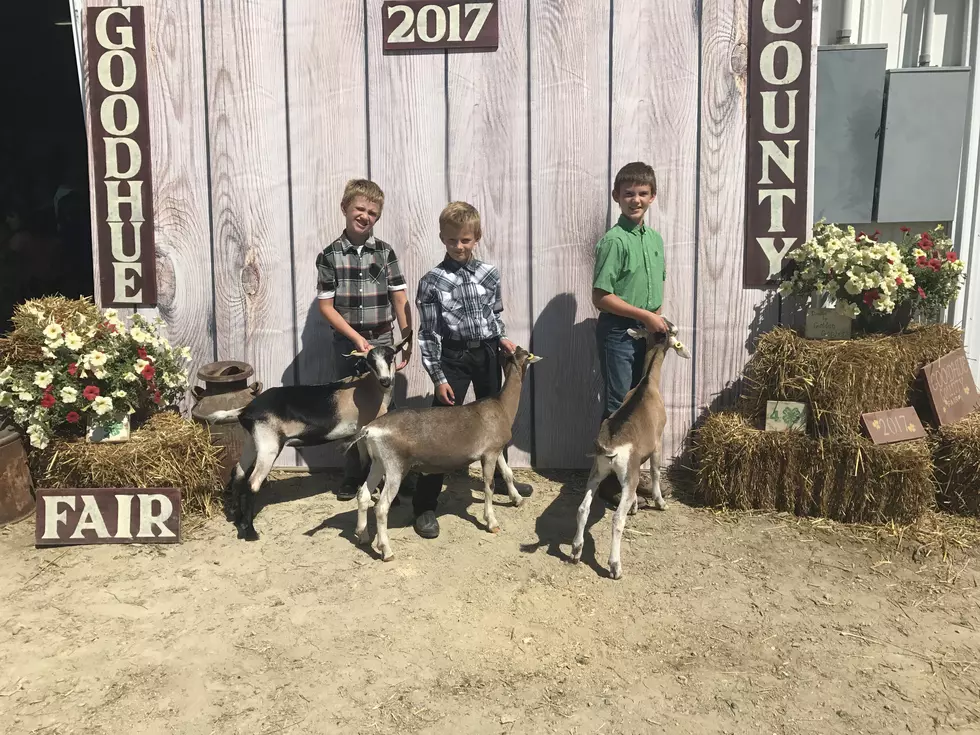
661, 340
520, 359
381, 361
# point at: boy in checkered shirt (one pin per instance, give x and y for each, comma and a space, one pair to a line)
461, 334
360, 288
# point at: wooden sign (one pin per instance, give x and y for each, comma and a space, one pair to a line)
117, 431
415, 25
778, 136
897, 425
786, 416
107, 516
827, 324
123, 182
952, 390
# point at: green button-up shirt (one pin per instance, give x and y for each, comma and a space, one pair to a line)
629, 262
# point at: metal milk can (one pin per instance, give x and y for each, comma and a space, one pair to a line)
225, 388
16, 497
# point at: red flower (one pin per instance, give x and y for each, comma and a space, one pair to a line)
91, 392
110, 327
922, 294
148, 372
141, 353
899, 281
870, 296
926, 236
876, 235
157, 397
860, 236
73, 417
921, 261
951, 256
935, 264
904, 229
891, 262
72, 369
47, 401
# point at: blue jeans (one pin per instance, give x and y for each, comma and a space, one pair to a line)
620, 359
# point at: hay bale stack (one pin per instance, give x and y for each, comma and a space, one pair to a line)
167, 451
957, 458
842, 380
847, 479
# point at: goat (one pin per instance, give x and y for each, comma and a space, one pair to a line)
440, 439
628, 438
305, 416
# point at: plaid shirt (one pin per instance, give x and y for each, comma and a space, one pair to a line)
461, 302
359, 280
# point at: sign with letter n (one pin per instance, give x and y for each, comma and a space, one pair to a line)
107, 516
122, 181
777, 163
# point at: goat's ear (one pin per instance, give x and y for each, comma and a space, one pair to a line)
407, 339
533, 358
355, 353
681, 349
634, 333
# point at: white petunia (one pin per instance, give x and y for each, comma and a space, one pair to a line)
99, 373
119, 394
53, 331
131, 377
102, 405
43, 379
74, 342
26, 397
95, 359
5, 374
6, 399
38, 438
68, 394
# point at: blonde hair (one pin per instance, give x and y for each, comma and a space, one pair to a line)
458, 215
362, 188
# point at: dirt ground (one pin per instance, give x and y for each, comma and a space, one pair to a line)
722, 624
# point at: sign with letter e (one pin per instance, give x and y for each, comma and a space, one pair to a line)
109, 515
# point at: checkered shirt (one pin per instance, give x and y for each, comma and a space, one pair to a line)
461, 302
359, 280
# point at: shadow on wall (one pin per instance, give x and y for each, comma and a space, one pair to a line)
766, 317
314, 365
567, 398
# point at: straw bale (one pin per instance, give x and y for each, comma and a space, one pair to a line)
846, 479
840, 380
57, 308
957, 458
167, 451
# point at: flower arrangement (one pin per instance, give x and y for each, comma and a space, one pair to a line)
937, 270
863, 276
66, 361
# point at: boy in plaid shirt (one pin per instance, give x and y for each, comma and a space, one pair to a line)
460, 335
360, 288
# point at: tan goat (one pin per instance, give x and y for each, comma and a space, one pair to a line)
632, 435
437, 440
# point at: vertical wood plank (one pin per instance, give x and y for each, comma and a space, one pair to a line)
729, 317
407, 105
569, 60
328, 136
179, 156
250, 188
655, 119
488, 167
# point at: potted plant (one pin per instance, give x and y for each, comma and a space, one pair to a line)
937, 270
68, 366
864, 279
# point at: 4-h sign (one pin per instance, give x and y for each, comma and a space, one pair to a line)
786, 416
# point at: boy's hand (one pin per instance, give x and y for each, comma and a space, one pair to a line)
362, 344
654, 322
407, 355
508, 346
445, 394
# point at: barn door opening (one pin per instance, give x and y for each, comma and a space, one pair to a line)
45, 230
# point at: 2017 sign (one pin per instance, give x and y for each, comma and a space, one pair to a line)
123, 192
107, 516
778, 135
423, 24
897, 425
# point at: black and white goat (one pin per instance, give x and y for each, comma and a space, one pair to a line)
306, 416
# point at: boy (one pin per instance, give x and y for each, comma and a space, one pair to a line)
628, 291
460, 335
359, 285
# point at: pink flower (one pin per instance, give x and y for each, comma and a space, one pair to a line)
90, 393
73, 417
48, 400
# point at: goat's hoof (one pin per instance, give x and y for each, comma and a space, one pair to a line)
248, 534
518, 501
387, 557
495, 529
362, 537
615, 570
576, 554
660, 505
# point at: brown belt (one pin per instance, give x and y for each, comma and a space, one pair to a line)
376, 332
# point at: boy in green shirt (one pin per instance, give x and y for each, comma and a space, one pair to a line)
628, 291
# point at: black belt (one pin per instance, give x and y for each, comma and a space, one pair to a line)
468, 344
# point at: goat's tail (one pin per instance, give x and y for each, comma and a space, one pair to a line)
224, 415
356, 439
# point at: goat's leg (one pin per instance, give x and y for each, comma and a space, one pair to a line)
658, 500
600, 470
508, 475
489, 461
364, 501
393, 478
267, 448
628, 476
